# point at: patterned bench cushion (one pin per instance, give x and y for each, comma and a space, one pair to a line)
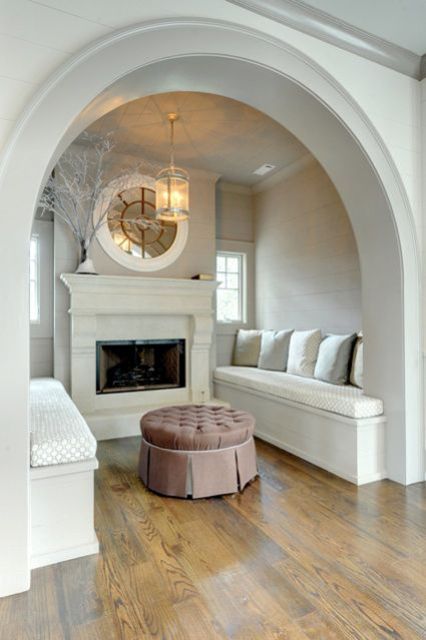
59, 433
344, 400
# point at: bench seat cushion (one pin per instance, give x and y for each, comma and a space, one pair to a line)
59, 433
344, 400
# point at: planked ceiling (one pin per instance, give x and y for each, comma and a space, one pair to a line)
213, 133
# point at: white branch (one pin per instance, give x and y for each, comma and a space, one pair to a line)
79, 184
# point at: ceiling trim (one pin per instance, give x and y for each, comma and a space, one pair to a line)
322, 25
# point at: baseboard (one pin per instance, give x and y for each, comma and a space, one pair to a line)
319, 462
366, 478
62, 555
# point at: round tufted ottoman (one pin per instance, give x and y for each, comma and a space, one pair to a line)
197, 450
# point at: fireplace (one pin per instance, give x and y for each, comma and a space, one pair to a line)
120, 311
139, 365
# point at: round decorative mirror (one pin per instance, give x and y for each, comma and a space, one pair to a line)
133, 227
131, 234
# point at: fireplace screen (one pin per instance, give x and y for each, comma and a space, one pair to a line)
139, 365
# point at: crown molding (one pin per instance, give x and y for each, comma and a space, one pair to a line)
319, 24
231, 187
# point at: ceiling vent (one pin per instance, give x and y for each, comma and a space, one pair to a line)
265, 168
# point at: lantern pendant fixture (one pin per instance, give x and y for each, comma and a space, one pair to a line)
172, 187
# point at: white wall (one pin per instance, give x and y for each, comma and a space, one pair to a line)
235, 232
41, 333
307, 265
422, 234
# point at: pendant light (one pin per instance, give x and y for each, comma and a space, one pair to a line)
172, 186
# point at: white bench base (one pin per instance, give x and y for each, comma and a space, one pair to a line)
351, 448
62, 503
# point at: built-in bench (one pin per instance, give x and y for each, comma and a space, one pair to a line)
336, 427
63, 461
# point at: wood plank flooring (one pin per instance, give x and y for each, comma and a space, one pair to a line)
300, 555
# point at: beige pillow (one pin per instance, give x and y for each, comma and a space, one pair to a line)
247, 348
356, 377
303, 352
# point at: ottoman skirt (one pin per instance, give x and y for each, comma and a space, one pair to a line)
198, 474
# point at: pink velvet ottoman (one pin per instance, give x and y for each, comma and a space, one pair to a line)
197, 450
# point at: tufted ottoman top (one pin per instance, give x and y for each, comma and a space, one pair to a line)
196, 427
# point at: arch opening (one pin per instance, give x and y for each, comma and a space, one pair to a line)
355, 177
291, 90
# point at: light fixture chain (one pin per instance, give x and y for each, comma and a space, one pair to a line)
172, 148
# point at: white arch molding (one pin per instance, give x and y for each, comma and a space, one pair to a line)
290, 87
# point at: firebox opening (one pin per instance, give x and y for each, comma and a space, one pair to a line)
139, 365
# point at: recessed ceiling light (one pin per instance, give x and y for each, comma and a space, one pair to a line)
265, 168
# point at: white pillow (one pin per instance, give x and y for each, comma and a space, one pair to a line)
303, 352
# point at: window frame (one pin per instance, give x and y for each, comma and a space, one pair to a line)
242, 285
44, 328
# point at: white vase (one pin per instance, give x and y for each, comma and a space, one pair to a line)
86, 268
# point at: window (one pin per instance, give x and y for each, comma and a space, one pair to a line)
231, 295
34, 279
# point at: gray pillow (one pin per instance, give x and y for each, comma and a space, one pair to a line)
333, 358
274, 350
357, 369
247, 348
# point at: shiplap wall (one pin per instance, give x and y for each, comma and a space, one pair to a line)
198, 255
234, 212
307, 265
234, 225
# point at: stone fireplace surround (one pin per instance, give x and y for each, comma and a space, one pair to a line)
129, 308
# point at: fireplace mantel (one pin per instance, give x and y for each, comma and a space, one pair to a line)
123, 307
133, 294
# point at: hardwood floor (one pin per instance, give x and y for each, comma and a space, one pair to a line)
299, 555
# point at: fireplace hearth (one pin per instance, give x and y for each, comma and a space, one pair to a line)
139, 365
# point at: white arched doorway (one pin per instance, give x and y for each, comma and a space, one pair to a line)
293, 90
